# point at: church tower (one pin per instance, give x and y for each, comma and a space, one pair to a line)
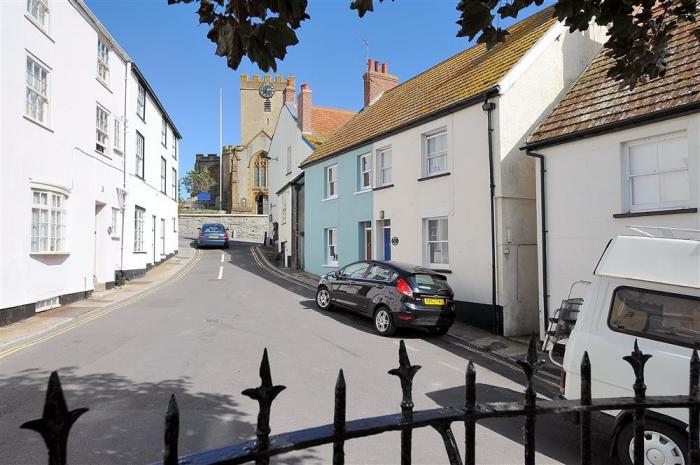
261, 101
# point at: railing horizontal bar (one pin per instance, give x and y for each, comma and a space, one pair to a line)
312, 437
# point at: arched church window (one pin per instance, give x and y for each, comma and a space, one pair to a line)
260, 173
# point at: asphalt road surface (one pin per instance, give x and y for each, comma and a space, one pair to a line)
202, 339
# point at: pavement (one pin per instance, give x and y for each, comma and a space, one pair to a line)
509, 349
199, 332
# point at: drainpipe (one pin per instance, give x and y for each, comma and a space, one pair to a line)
488, 107
543, 221
127, 72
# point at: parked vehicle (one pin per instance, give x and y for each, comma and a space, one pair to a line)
213, 235
645, 289
393, 294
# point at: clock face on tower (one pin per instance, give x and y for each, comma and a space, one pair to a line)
267, 90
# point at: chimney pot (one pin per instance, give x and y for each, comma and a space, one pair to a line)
385, 68
377, 66
370, 64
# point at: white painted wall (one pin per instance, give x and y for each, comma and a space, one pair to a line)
527, 93
61, 154
287, 133
584, 186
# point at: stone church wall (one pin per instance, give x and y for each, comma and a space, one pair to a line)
242, 227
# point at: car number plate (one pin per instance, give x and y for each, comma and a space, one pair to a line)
433, 301
213, 237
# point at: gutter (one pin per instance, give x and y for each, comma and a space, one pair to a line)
127, 72
543, 222
473, 100
293, 181
616, 126
489, 107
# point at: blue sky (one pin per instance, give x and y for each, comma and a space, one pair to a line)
172, 50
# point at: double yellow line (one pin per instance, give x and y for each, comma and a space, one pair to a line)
107, 310
258, 260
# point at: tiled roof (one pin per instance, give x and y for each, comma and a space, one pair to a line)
455, 80
326, 121
597, 102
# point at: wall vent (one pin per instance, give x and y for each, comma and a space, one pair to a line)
46, 304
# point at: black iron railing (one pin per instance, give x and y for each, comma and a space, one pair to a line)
56, 422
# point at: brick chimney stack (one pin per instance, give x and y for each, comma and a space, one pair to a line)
377, 81
289, 90
304, 109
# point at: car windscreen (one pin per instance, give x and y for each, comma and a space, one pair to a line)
212, 228
430, 282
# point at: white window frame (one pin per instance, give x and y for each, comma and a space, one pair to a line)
43, 13
37, 91
364, 169
163, 175
383, 170
629, 177
173, 183
427, 242
331, 178
164, 133
289, 159
116, 223
103, 61
102, 130
284, 209
331, 246
139, 225
141, 101
173, 146
50, 235
140, 156
427, 157
117, 135
174, 224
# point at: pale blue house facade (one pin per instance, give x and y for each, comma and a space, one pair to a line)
338, 205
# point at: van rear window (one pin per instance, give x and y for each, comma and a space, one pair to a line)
672, 318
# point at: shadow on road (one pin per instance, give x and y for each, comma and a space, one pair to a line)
126, 418
556, 437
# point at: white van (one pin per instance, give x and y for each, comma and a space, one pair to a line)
645, 289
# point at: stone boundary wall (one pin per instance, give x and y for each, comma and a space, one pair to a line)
244, 227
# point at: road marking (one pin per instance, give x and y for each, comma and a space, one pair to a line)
222, 258
221, 271
108, 310
257, 259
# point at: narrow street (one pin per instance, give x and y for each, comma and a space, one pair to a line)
202, 338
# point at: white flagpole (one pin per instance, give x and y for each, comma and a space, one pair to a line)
221, 143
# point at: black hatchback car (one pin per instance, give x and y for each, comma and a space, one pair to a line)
392, 294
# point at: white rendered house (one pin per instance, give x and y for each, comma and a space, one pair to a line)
88, 160
614, 158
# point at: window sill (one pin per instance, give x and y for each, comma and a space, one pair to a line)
38, 123
383, 187
115, 238
673, 211
63, 252
433, 176
140, 253
329, 266
329, 198
105, 84
104, 154
118, 152
364, 191
41, 28
142, 118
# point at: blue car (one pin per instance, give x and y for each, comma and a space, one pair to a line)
213, 235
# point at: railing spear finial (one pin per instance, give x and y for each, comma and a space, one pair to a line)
55, 423
172, 432
530, 366
265, 394
405, 373
339, 420
637, 359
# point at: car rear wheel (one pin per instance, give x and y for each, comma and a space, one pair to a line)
323, 298
383, 322
663, 444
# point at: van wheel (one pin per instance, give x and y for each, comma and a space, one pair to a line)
663, 443
383, 322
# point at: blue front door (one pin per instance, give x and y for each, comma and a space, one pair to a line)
387, 243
